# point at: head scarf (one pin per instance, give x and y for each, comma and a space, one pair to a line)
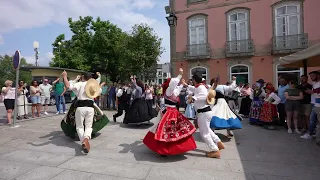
165, 85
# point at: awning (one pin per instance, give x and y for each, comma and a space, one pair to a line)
311, 56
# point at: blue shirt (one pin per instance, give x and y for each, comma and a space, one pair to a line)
281, 91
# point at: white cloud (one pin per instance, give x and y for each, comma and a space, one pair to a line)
1, 40
23, 14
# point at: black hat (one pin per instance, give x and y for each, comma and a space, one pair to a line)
261, 81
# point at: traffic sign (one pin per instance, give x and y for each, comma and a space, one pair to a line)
16, 60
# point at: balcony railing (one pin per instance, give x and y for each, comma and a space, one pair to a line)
240, 48
198, 51
289, 43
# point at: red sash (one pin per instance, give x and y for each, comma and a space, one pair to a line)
201, 84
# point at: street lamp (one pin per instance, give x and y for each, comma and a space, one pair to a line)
59, 44
172, 20
36, 47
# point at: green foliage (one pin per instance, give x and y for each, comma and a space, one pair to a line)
8, 73
98, 45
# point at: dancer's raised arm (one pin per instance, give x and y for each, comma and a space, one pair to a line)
174, 83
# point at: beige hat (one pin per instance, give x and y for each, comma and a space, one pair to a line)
211, 97
92, 88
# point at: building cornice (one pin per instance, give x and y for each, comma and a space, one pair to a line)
215, 6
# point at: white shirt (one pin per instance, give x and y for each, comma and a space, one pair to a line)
11, 93
79, 89
225, 90
273, 96
200, 96
45, 90
315, 97
173, 88
120, 91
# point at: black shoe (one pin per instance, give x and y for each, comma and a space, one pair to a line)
114, 119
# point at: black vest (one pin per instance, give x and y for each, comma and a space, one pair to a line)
124, 98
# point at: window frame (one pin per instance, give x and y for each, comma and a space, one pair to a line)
197, 16
237, 23
235, 65
287, 16
190, 71
237, 10
280, 4
292, 71
197, 30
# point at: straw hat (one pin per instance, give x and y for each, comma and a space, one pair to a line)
92, 88
211, 97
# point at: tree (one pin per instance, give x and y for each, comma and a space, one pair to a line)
8, 73
98, 45
145, 48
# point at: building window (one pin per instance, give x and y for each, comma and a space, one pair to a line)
238, 25
287, 19
202, 70
241, 72
288, 73
197, 30
164, 75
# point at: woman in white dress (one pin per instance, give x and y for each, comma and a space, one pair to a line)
22, 101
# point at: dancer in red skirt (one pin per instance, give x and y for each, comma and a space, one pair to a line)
269, 111
173, 133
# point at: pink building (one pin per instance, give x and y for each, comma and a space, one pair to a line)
242, 38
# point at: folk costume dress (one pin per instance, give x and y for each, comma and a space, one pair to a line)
190, 112
173, 133
257, 100
269, 111
140, 110
223, 117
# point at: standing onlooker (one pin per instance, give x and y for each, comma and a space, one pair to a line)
305, 103
246, 92
314, 116
112, 96
22, 101
292, 106
281, 106
59, 91
149, 94
45, 88
9, 97
35, 98
104, 96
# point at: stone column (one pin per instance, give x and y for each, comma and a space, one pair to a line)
172, 42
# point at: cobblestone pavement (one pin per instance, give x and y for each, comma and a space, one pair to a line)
38, 150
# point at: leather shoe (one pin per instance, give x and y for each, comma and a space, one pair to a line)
86, 145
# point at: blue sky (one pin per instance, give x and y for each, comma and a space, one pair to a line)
25, 21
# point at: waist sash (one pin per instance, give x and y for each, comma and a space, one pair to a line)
203, 110
84, 103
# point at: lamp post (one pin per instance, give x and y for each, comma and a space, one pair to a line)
172, 22
59, 44
36, 48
